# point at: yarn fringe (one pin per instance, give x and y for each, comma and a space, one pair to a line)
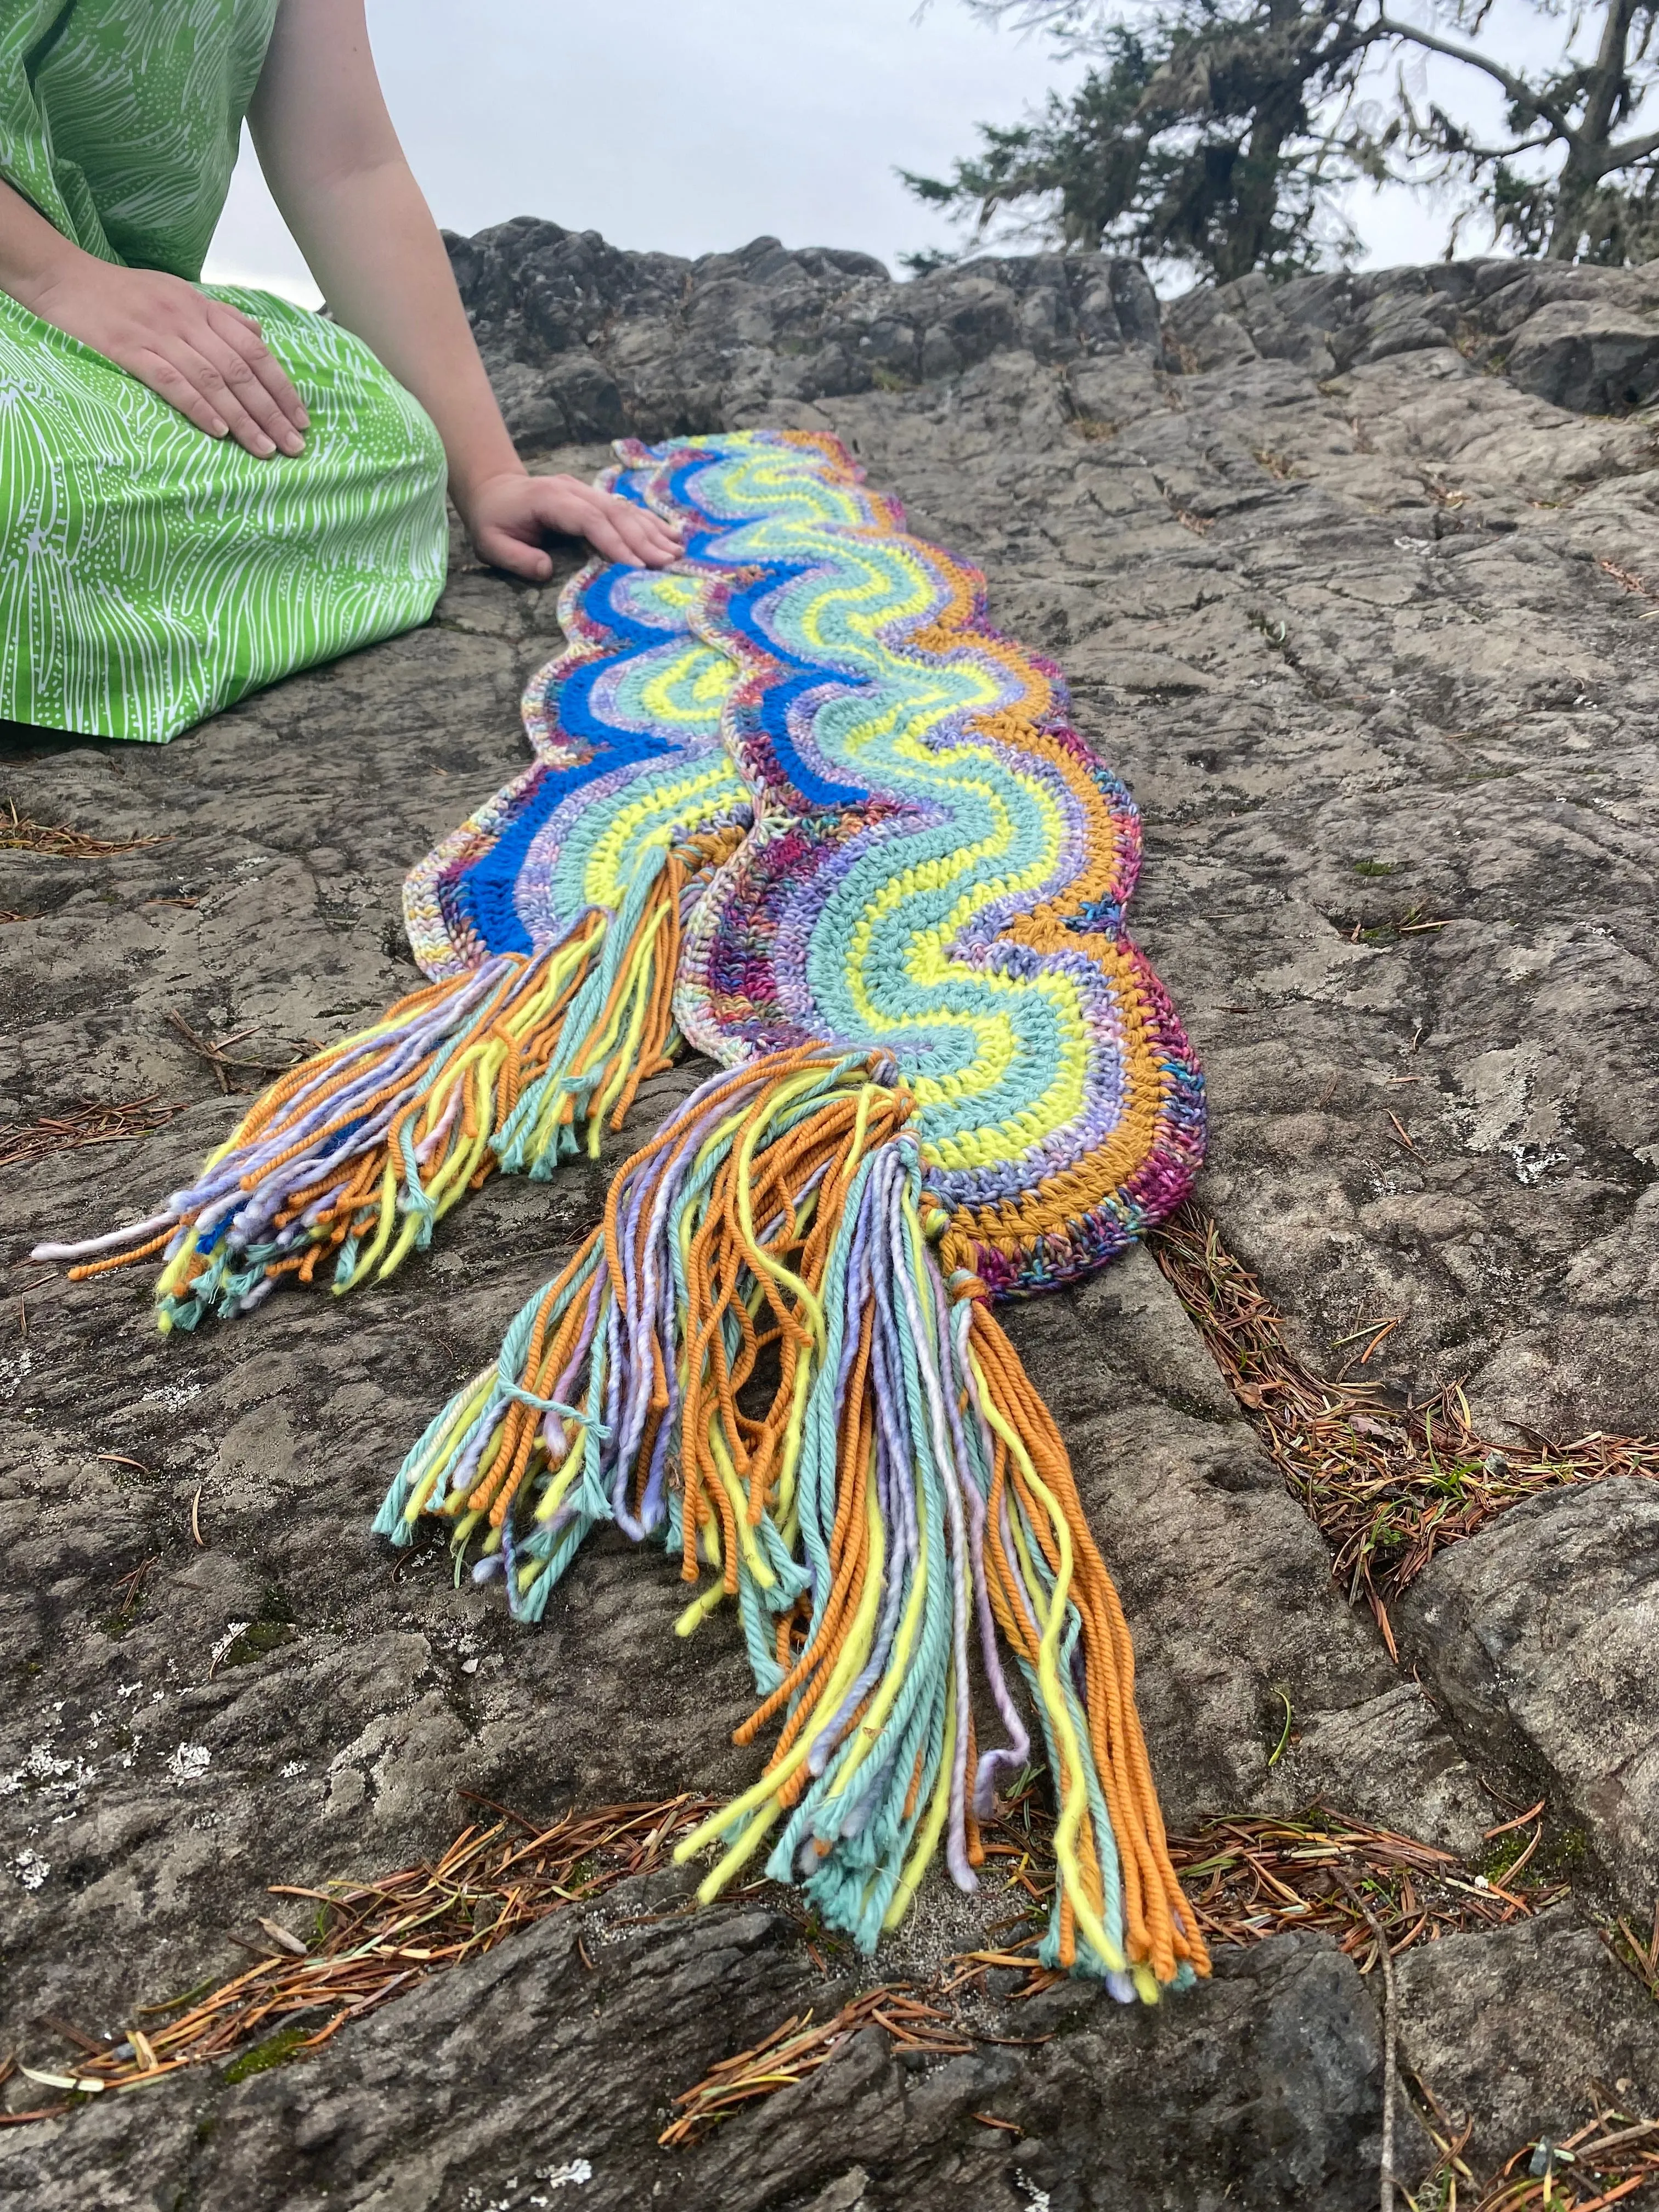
758, 1360
357, 1155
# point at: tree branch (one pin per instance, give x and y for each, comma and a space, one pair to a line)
1480, 155
1523, 93
1628, 150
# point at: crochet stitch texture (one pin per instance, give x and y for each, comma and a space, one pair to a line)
938, 866
794, 802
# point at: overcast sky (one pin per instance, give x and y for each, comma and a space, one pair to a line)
693, 125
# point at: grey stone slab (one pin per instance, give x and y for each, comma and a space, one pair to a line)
1539, 1633
1363, 623
1475, 2011
487, 2086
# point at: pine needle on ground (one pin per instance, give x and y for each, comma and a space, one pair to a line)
1386, 1485
18, 834
91, 1123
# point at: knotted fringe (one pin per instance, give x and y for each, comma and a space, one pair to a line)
358, 1153
759, 1359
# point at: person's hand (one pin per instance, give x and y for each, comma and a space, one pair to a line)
509, 514
204, 358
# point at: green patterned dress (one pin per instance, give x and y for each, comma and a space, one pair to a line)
150, 574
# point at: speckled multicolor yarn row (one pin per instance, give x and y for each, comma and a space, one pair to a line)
938, 867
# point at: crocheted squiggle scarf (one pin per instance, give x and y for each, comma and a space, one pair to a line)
795, 804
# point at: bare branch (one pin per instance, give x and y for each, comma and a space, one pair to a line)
1479, 155
1520, 92
1627, 151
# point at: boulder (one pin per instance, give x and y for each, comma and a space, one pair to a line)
1473, 2009
1540, 1634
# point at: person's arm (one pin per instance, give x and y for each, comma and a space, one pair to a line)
336, 171
204, 358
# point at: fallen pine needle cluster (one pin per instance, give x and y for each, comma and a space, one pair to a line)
1250, 1878
87, 1124
1386, 1485
797, 2049
19, 835
372, 1939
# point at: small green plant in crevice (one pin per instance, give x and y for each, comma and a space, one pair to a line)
1566, 1854
1378, 867
1513, 1848
1455, 1477
273, 2052
257, 1641
129, 1599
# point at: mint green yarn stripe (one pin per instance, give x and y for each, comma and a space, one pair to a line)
516, 1143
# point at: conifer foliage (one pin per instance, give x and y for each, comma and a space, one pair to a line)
1224, 135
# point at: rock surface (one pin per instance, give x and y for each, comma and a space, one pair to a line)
1357, 606
1542, 1635
1264, 2094
1475, 2010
